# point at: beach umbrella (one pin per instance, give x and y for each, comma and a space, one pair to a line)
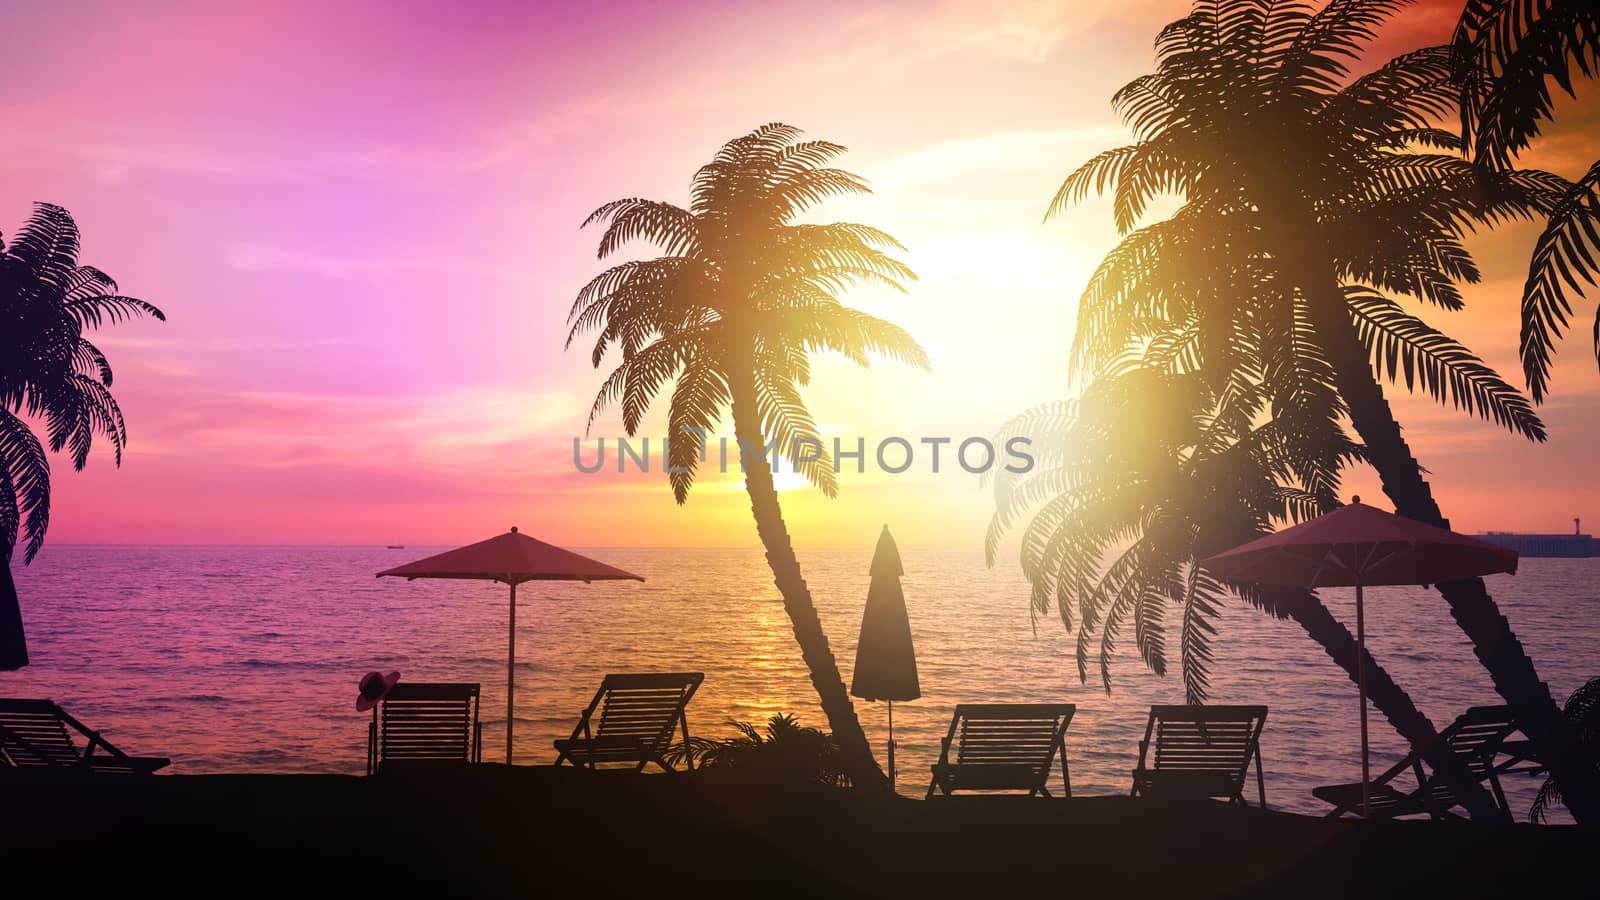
1360, 546
886, 662
511, 559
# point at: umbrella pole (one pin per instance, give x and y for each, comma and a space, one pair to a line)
511, 670
891, 744
1361, 684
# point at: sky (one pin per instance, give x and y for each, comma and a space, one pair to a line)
362, 221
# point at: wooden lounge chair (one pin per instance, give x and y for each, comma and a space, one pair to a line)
631, 720
34, 735
1003, 747
1476, 739
1201, 751
424, 725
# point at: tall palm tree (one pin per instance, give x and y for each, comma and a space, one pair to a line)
51, 373
1507, 53
1150, 472
1309, 198
733, 310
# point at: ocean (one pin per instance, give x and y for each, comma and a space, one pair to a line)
246, 659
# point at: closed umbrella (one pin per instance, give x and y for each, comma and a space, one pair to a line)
13, 645
511, 558
886, 662
1360, 546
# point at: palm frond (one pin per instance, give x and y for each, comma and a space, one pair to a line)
697, 403
1565, 257
1431, 361
25, 486
90, 310
1582, 712
1508, 52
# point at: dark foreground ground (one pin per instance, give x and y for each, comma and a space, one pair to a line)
549, 832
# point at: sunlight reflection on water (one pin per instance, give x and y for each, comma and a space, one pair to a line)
246, 658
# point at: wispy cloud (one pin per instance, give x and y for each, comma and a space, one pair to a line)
455, 430
219, 344
251, 257
1026, 32
1013, 150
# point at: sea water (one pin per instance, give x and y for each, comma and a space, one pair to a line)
246, 659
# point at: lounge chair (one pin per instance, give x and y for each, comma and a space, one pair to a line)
425, 725
34, 735
1003, 747
631, 720
1201, 751
1476, 739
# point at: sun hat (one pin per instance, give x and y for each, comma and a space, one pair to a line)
374, 685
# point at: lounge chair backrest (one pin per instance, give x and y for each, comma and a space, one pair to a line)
642, 707
33, 734
1475, 737
1203, 740
1003, 747
423, 721
1009, 733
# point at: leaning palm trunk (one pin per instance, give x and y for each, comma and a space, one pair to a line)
858, 761
1475, 612
1386, 696
1305, 609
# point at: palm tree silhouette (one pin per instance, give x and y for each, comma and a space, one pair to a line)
733, 311
1151, 471
1582, 711
1507, 53
1308, 199
49, 371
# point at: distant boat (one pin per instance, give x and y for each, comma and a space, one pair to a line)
395, 547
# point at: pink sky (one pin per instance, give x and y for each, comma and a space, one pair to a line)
362, 225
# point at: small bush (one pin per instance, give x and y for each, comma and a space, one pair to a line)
783, 752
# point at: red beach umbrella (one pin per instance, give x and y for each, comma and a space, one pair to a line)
511, 558
1359, 546
886, 662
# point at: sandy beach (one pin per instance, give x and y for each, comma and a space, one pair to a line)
554, 832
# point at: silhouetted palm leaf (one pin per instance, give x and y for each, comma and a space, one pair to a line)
48, 370
1508, 52
1431, 361
737, 269
1564, 257
24, 487
1146, 474
1582, 712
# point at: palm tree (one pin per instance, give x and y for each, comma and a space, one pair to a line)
1150, 472
49, 372
733, 310
1507, 53
1582, 711
1308, 199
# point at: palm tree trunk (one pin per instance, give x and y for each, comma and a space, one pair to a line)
13, 641
858, 761
1385, 695
1475, 612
